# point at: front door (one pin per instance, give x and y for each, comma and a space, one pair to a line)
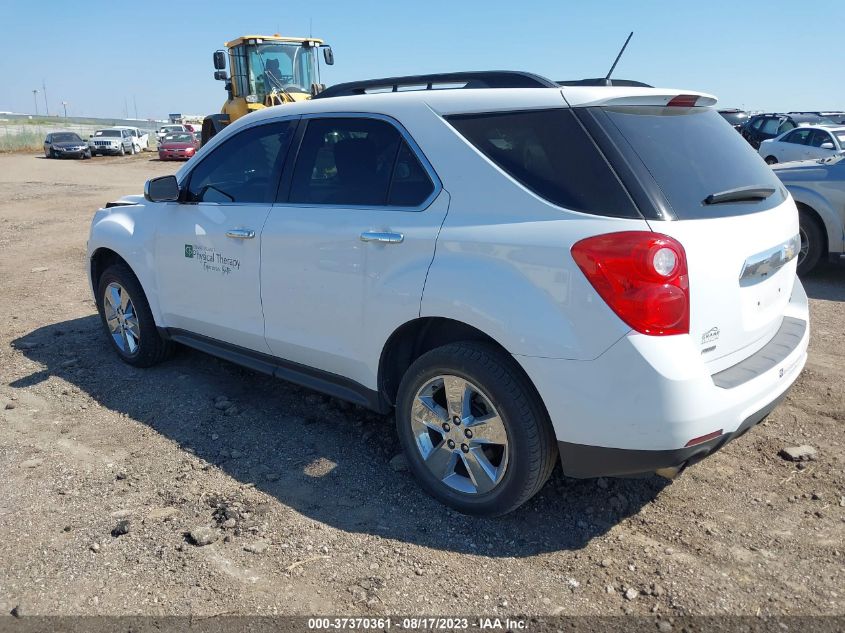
208, 247
345, 254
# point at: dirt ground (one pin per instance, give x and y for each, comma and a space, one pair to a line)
311, 515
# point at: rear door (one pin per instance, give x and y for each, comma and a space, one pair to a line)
793, 146
346, 250
740, 251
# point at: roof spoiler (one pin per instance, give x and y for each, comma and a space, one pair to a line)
462, 80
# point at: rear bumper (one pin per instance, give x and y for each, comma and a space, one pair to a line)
635, 408
584, 462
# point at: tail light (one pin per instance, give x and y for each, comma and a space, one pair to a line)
642, 276
682, 101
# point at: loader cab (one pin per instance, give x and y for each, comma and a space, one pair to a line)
265, 71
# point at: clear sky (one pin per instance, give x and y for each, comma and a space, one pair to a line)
103, 57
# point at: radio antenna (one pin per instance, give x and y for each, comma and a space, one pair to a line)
607, 81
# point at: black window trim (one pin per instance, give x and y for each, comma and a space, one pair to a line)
283, 197
185, 182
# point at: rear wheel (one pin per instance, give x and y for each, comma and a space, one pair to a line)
473, 429
812, 242
127, 318
771, 160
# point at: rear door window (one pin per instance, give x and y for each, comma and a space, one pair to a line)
799, 137
550, 153
690, 153
357, 161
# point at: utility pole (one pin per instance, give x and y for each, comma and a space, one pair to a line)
125, 108
135, 103
35, 98
64, 105
46, 106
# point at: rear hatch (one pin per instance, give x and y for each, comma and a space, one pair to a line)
698, 181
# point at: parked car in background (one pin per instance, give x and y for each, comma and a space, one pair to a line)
620, 316
737, 118
170, 129
140, 139
65, 144
818, 188
804, 143
765, 126
178, 146
835, 116
111, 141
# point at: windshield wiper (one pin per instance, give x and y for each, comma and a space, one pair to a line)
740, 194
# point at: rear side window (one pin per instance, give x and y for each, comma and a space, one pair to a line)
690, 153
357, 162
549, 153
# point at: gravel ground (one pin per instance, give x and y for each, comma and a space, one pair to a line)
198, 487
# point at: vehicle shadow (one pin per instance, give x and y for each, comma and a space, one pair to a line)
827, 283
325, 459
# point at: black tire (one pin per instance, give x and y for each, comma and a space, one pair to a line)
812, 233
152, 348
771, 160
531, 441
87, 154
122, 151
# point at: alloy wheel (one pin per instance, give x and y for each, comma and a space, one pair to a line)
459, 434
805, 245
121, 318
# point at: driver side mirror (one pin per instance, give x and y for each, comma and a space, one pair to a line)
328, 55
219, 60
162, 189
827, 145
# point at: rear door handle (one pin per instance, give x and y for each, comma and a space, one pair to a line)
384, 238
241, 234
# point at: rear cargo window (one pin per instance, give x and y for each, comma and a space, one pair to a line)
692, 153
549, 152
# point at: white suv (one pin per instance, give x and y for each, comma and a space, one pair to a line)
602, 273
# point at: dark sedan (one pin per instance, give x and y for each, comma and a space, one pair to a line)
178, 146
65, 144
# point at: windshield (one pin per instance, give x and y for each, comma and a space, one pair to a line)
67, 137
184, 137
172, 128
840, 136
107, 133
281, 67
691, 154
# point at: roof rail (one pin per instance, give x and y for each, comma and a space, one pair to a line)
601, 81
471, 79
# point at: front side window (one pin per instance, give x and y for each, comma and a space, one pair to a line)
817, 137
245, 168
357, 162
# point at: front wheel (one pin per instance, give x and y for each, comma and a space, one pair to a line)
127, 318
771, 160
474, 431
122, 151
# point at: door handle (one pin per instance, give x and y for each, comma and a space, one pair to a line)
384, 238
241, 234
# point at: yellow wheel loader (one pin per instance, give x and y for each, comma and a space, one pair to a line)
264, 71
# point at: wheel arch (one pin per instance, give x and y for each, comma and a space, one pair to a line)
102, 258
819, 220
414, 338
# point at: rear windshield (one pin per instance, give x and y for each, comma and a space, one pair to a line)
548, 152
735, 118
691, 153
